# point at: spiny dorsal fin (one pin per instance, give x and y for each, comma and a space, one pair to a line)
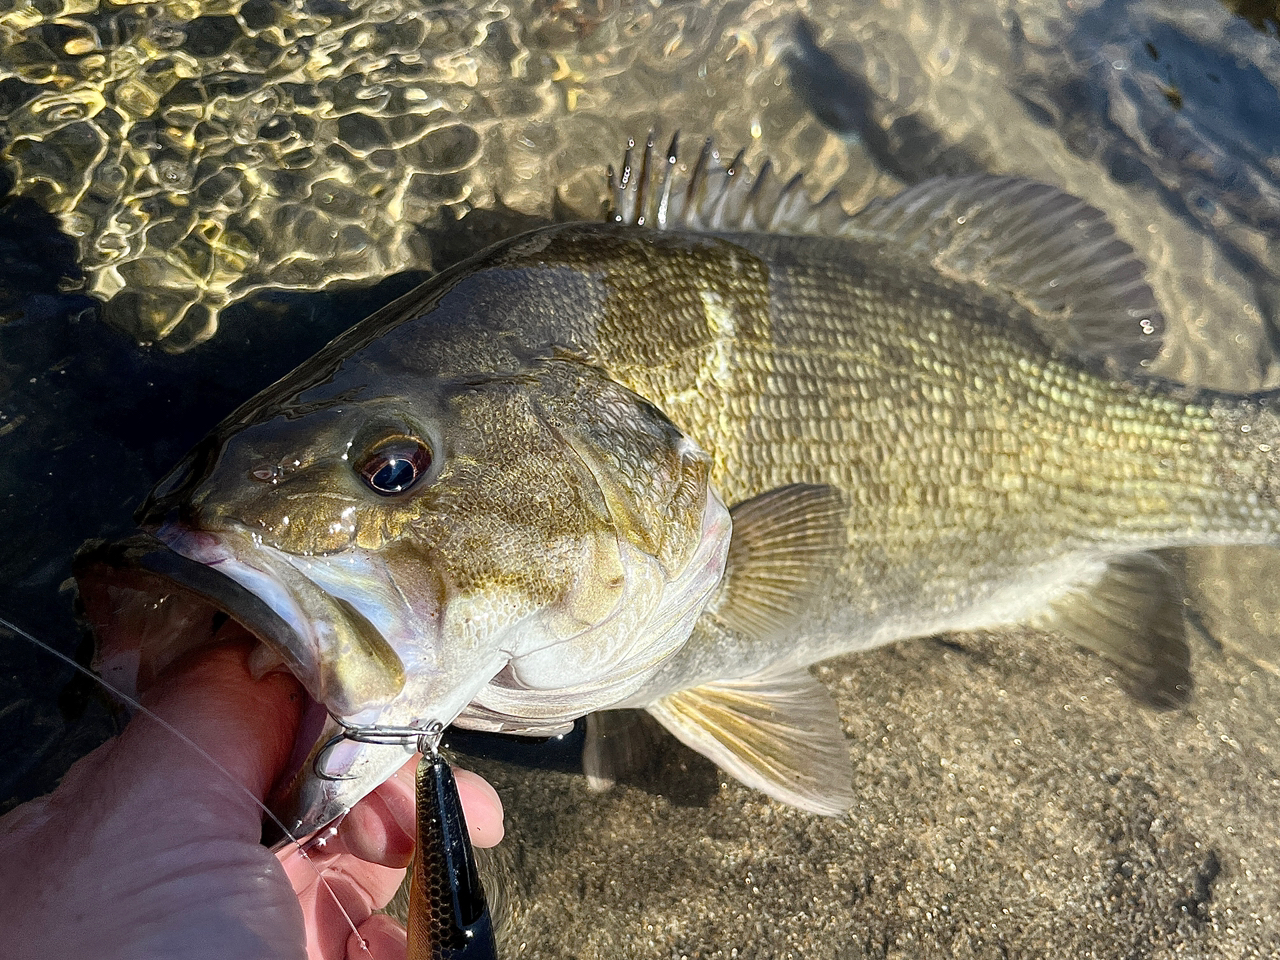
1132, 615
779, 734
666, 193
784, 545
1050, 251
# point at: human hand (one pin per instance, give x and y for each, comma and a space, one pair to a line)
147, 850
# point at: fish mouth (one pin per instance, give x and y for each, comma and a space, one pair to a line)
150, 600
335, 627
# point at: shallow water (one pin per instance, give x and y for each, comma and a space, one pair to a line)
237, 199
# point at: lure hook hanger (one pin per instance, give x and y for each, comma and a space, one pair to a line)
425, 736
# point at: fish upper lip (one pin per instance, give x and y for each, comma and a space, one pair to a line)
346, 618
219, 550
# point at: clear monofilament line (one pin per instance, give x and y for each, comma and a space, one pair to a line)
298, 845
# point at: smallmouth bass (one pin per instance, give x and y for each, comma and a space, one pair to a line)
671, 460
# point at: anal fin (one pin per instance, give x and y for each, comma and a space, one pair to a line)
780, 734
1132, 616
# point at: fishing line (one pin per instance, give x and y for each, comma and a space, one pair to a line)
301, 848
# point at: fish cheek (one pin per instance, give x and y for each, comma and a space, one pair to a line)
418, 579
504, 572
511, 530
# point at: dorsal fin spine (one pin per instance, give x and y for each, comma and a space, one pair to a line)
1050, 252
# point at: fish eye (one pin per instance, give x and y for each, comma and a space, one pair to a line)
395, 465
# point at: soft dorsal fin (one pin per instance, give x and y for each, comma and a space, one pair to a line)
784, 545
1132, 615
1050, 251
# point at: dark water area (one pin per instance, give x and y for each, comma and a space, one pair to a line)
1263, 14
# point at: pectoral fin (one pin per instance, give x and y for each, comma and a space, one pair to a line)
779, 734
1133, 617
785, 544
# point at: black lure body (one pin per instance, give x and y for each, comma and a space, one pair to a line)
448, 912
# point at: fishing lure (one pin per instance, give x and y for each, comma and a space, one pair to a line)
448, 912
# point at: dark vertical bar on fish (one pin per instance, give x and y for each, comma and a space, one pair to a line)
448, 913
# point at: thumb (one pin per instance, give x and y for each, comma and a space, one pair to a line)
244, 727
168, 834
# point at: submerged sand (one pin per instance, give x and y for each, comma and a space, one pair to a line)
1013, 801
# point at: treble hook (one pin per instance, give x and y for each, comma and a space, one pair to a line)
426, 736
448, 912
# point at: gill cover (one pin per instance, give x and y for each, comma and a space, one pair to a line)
652, 568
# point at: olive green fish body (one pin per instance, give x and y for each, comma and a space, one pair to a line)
673, 460
980, 471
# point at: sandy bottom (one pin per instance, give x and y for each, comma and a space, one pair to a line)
1013, 802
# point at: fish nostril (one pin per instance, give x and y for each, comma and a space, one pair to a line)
273, 471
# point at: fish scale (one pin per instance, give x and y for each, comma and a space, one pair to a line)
670, 462
1031, 434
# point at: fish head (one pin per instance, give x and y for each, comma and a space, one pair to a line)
509, 548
